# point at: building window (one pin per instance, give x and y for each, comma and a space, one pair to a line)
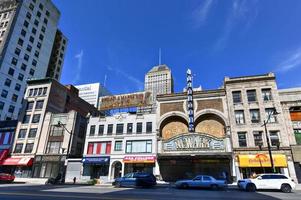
17, 51
53, 147
266, 94
118, 146
18, 148
1, 105
236, 95
139, 127
11, 71
242, 139
119, 129
33, 30
18, 87
36, 118
14, 61
99, 148
28, 15
31, 39
39, 14
4, 93
23, 32
20, 42
274, 138
39, 104
239, 117
297, 135
110, 129
26, 24
251, 94
20, 77
129, 129
26, 119
143, 146
92, 130
7, 82
31, 6
14, 98
269, 112
28, 48
149, 127
258, 138
23, 67
255, 116
29, 105
57, 130
11, 109
36, 22
31, 72
101, 129
22, 133
28, 148
32, 133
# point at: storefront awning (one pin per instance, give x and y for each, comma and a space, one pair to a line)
25, 161
96, 160
139, 159
3, 154
262, 160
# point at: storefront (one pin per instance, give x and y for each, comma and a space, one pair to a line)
96, 167
48, 166
139, 164
260, 163
22, 166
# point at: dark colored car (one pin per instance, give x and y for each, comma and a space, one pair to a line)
6, 178
142, 179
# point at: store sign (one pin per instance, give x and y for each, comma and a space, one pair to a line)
192, 142
139, 99
262, 160
96, 160
139, 159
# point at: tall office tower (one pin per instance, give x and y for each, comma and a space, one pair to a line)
159, 81
28, 30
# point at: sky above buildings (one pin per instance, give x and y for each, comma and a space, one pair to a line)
115, 42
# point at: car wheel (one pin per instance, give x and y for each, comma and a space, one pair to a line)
251, 187
286, 188
214, 187
184, 185
117, 184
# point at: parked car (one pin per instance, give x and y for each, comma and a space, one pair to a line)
201, 181
267, 181
6, 178
136, 179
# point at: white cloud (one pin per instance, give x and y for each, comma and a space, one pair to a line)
292, 61
79, 57
242, 13
199, 15
139, 84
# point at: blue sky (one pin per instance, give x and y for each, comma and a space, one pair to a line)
121, 40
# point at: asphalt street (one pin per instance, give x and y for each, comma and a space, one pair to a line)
74, 192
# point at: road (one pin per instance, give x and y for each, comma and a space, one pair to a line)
75, 192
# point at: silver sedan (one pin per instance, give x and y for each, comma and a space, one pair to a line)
201, 181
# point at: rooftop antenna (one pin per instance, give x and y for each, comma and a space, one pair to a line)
105, 80
159, 56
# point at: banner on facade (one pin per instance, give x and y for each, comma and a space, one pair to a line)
96, 160
139, 159
192, 142
262, 160
139, 99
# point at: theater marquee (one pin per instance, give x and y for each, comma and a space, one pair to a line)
192, 142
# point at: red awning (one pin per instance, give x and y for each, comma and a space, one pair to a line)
25, 161
3, 154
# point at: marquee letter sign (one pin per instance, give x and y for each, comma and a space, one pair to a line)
193, 142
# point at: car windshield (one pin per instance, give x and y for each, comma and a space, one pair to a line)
255, 176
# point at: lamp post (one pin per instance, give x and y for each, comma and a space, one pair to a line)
274, 113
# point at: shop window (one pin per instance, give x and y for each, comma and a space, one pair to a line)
266, 94
118, 146
32, 133
110, 129
53, 147
22, 133
269, 112
101, 129
129, 128
92, 130
143, 146
274, 138
139, 127
149, 127
18, 148
242, 139
239, 117
255, 115
236, 95
28, 148
119, 129
39, 104
258, 138
251, 94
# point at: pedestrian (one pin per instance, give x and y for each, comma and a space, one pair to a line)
74, 180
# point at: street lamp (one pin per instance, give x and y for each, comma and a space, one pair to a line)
274, 113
